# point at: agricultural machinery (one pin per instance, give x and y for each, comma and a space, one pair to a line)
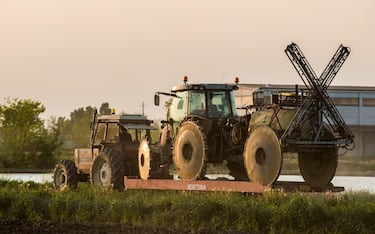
202, 127
113, 153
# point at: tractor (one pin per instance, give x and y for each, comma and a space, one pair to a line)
202, 126
112, 154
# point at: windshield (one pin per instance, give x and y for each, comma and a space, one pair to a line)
197, 103
218, 105
178, 107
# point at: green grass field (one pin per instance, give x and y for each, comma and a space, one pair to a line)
347, 165
207, 211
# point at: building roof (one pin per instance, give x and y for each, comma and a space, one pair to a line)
338, 88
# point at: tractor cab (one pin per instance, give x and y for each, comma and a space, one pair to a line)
113, 129
210, 102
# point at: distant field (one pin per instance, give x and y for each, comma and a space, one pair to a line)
347, 166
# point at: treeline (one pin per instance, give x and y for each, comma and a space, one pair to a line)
27, 141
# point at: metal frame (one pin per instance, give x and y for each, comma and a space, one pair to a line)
318, 109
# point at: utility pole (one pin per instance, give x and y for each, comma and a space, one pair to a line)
143, 108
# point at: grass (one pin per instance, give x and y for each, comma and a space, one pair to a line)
267, 213
347, 165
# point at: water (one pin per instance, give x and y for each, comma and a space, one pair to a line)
351, 183
35, 177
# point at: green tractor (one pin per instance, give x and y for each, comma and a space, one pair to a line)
115, 140
202, 127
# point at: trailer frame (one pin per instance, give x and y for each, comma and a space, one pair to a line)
224, 186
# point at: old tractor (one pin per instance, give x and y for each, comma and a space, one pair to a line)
113, 153
203, 127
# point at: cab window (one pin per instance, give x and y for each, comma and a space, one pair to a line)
99, 135
218, 104
178, 107
197, 103
112, 133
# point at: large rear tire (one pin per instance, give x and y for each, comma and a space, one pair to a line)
318, 167
262, 156
108, 170
144, 160
65, 175
189, 152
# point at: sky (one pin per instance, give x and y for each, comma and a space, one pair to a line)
71, 54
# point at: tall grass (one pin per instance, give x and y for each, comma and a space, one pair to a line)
267, 213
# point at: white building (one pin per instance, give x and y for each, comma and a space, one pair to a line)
355, 104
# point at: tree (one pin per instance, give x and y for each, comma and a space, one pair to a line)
104, 109
75, 132
24, 142
80, 126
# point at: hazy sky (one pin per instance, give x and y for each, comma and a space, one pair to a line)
74, 53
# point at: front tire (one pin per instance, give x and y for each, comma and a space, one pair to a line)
108, 170
144, 160
65, 175
189, 152
262, 156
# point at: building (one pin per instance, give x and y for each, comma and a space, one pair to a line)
356, 105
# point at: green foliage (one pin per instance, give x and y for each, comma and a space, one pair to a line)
75, 131
105, 109
211, 211
155, 134
24, 141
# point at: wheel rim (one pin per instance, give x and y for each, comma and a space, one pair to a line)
262, 156
60, 178
318, 167
189, 152
101, 172
144, 163
105, 174
65, 175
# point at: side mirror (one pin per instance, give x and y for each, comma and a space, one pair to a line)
157, 100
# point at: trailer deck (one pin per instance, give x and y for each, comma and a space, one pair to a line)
225, 186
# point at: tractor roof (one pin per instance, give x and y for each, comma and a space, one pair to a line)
184, 87
125, 118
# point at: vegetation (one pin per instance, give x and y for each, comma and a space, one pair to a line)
229, 212
24, 141
27, 142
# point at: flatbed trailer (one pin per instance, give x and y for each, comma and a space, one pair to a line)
224, 186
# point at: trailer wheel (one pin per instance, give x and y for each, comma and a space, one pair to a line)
65, 175
108, 170
318, 167
262, 156
144, 160
189, 152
